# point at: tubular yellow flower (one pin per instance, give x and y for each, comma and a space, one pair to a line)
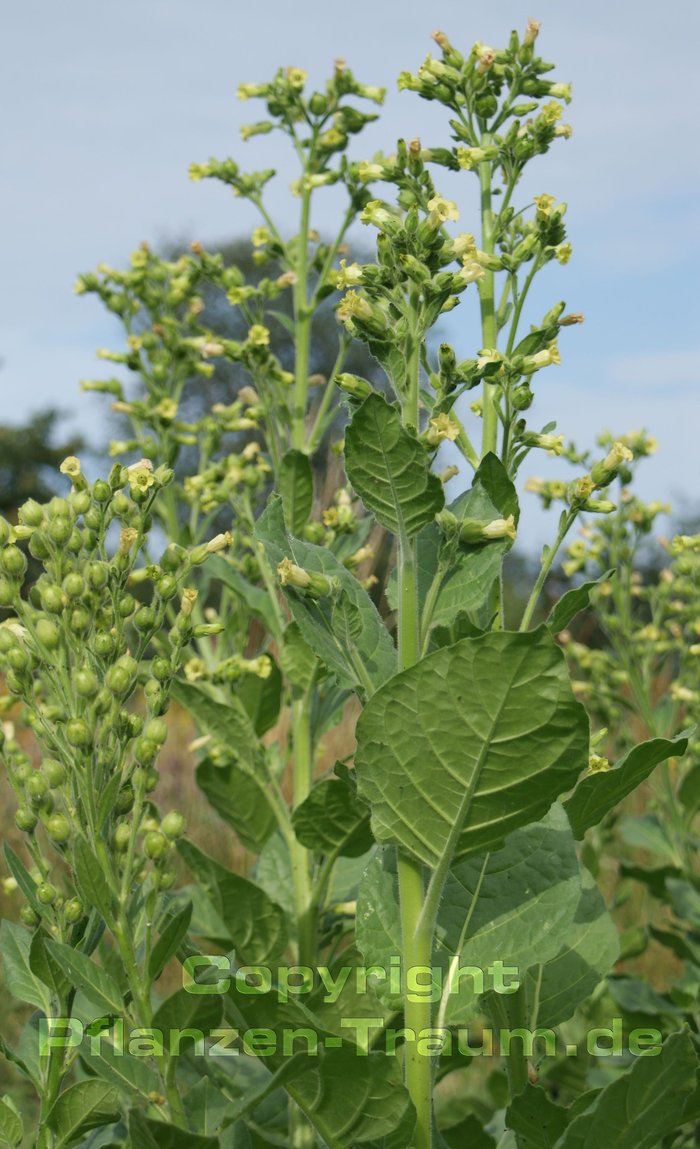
440, 428
70, 466
296, 77
260, 237
544, 204
563, 253
258, 335
445, 209
532, 29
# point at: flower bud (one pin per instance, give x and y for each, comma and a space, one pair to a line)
316, 585
13, 562
46, 893
73, 910
353, 385
473, 531
173, 825
78, 733
58, 828
25, 820
54, 771
155, 845
122, 837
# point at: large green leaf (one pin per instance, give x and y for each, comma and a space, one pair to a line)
84, 1106
44, 965
90, 880
555, 989
111, 1062
86, 975
173, 932
641, 1107
472, 742
390, 469
332, 819
239, 796
467, 572
296, 485
572, 602
600, 792
255, 923
511, 908
348, 1096
20, 981
261, 697
228, 722
344, 630
11, 1127
147, 1134
535, 1119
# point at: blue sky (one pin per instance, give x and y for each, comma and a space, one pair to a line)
105, 105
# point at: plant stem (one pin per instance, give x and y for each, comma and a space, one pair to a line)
301, 858
565, 525
489, 331
417, 942
302, 322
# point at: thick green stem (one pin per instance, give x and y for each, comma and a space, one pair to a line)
302, 321
489, 327
417, 954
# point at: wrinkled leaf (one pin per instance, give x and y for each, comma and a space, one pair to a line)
296, 486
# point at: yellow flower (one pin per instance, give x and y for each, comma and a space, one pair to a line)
194, 668
532, 29
500, 529
564, 130
348, 275
596, 764
563, 253
167, 409
440, 428
445, 209
260, 237
551, 112
70, 467
544, 204
258, 335
296, 77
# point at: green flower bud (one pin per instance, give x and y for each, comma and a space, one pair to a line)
23, 771
8, 592
60, 530
155, 845
92, 518
73, 910
165, 879
146, 751
145, 619
101, 491
156, 731
74, 585
103, 701
173, 825
18, 658
122, 837
122, 504
78, 732
126, 604
29, 916
160, 669
31, 513
98, 575
125, 799
48, 633
58, 828
46, 893
37, 788
37, 547
25, 820
13, 562
80, 620
104, 644
167, 587
172, 558
80, 501
86, 683
54, 771
52, 599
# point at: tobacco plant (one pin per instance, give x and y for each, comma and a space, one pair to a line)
421, 907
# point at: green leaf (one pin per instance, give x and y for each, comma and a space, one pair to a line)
227, 722
350, 1098
344, 630
516, 904
641, 1107
11, 1127
556, 988
390, 469
90, 881
689, 790
45, 966
535, 1119
15, 943
647, 833
255, 923
23, 878
87, 1105
472, 742
296, 486
86, 975
331, 820
469, 571
297, 659
469, 1132
573, 602
241, 798
600, 792
261, 698
147, 1134
112, 1062
254, 599
166, 946
183, 1010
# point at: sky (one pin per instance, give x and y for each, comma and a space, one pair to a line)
106, 105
